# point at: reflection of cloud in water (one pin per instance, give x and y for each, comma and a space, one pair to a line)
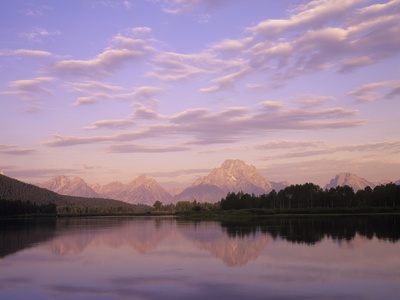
236, 251
141, 236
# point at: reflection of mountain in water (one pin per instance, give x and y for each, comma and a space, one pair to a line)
236, 251
233, 251
141, 236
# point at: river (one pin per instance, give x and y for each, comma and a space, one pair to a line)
167, 258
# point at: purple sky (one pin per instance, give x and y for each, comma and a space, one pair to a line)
109, 90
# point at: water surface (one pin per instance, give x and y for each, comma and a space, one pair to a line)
164, 258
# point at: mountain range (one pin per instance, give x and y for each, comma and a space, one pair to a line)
71, 187
232, 176
15, 190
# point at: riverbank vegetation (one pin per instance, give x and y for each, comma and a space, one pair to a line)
295, 199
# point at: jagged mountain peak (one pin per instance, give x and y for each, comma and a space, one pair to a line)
235, 175
232, 176
65, 186
143, 180
142, 189
230, 164
349, 179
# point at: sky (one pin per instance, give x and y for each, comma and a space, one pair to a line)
108, 90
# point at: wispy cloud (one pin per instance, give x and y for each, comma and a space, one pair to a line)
201, 126
184, 6
89, 86
376, 90
133, 148
123, 49
320, 149
28, 89
322, 35
32, 53
111, 124
313, 14
95, 91
37, 34
15, 150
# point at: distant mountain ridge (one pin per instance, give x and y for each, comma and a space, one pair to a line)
142, 190
231, 176
352, 180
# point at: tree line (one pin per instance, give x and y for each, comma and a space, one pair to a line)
310, 196
13, 208
182, 206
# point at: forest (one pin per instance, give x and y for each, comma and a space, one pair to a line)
309, 196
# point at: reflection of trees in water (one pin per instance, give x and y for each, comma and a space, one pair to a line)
235, 243
16, 235
311, 230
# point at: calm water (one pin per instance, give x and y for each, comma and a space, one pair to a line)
162, 258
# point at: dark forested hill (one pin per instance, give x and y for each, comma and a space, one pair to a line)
14, 190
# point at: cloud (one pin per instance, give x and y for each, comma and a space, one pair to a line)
287, 144
322, 35
185, 6
85, 100
15, 150
170, 66
201, 126
231, 45
32, 53
348, 65
376, 90
38, 33
111, 124
227, 81
387, 147
146, 113
123, 49
318, 36
309, 100
90, 85
104, 64
28, 89
132, 148
146, 92
141, 30
313, 14
38, 173
96, 91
